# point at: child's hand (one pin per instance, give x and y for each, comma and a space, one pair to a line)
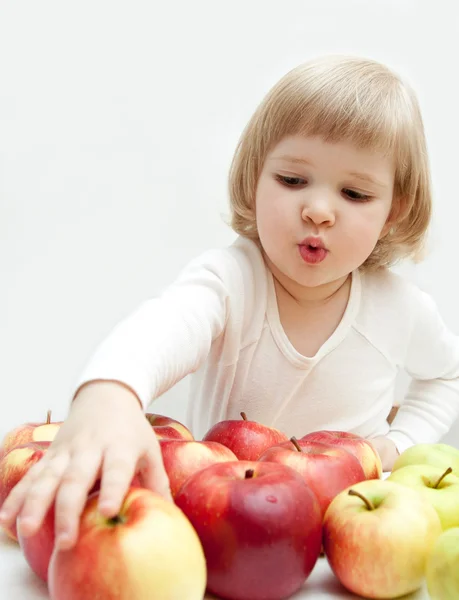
105, 435
387, 451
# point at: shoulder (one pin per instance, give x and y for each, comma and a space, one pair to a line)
388, 292
241, 262
391, 309
240, 274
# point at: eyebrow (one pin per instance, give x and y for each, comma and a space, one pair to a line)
354, 174
367, 178
293, 159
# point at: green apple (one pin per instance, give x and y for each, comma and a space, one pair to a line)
442, 574
437, 455
439, 487
377, 536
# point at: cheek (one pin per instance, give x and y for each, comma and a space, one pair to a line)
270, 208
365, 229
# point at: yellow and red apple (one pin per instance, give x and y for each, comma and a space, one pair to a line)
30, 432
260, 526
181, 459
247, 439
166, 428
360, 447
327, 470
13, 466
38, 548
149, 550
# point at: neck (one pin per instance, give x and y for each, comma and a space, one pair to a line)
308, 297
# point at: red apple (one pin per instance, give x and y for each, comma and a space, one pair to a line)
30, 432
166, 428
247, 439
37, 548
182, 459
327, 470
13, 467
260, 526
149, 550
377, 537
360, 447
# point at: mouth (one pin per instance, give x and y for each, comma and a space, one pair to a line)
313, 250
313, 243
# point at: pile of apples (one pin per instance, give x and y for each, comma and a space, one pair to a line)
253, 511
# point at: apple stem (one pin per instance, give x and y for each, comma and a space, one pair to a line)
447, 472
48, 417
249, 473
296, 444
244, 416
116, 520
368, 503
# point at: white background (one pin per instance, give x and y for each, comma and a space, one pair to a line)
118, 121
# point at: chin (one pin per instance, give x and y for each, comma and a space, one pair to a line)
317, 276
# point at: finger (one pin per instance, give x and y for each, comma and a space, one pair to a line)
14, 502
72, 494
41, 494
153, 473
117, 474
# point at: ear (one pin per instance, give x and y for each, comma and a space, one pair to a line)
394, 216
385, 230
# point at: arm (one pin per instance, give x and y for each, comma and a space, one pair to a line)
166, 338
431, 404
106, 436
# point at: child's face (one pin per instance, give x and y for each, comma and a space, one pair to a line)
337, 193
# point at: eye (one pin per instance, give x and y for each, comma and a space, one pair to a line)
290, 181
356, 196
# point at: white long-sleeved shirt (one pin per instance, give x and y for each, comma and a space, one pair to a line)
219, 321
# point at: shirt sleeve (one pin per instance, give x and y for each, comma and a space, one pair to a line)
167, 337
431, 404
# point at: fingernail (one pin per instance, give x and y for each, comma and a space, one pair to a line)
3, 515
106, 507
25, 525
25, 522
62, 539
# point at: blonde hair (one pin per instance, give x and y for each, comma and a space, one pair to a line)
352, 99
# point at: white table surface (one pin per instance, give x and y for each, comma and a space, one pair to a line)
18, 582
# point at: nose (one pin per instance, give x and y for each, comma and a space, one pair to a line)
319, 209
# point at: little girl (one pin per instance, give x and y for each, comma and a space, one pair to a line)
299, 323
